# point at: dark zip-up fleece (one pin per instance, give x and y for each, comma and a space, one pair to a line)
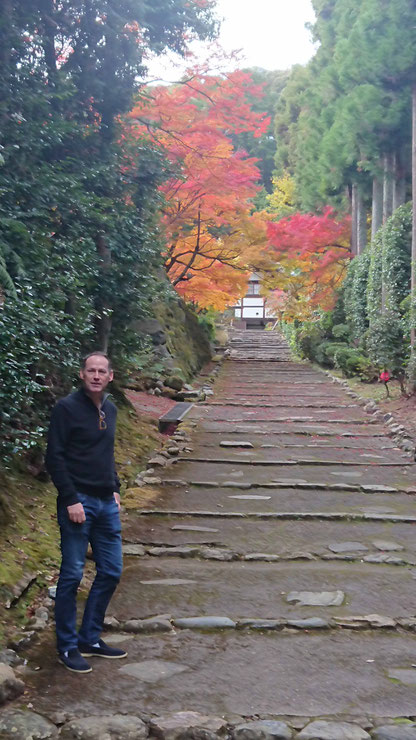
80, 455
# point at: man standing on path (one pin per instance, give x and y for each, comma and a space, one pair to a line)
80, 460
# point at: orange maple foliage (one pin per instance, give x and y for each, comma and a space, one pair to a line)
210, 230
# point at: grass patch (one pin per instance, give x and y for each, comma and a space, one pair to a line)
136, 439
372, 391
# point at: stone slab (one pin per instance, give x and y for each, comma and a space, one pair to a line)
289, 413
262, 730
315, 428
324, 730
117, 726
16, 723
230, 671
379, 445
316, 598
192, 528
279, 498
373, 477
387, 545
189, 726
261, 535
152, 671
347, 547
395, 732
260, 453
239, 589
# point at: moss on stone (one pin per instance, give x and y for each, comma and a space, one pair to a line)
186, 339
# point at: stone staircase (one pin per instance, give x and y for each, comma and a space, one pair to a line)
253, 344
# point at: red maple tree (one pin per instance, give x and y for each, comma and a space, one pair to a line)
306, 258
207, 216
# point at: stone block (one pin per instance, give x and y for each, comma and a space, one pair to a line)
20, 725
322, 730
316, 598
152, 624
262, 730
204, 623
116, 727
10, 686
188, 726
395, 732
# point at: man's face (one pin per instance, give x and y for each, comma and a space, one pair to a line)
96, 374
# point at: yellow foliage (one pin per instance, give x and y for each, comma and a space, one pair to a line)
282, 199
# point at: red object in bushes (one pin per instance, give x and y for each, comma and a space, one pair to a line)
385, 376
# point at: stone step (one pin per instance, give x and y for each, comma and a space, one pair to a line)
316, 429
252, 533
238, 674
268, 452
284, 500
244, 589
295, 442
370, 478
246, 457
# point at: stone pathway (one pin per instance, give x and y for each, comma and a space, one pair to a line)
272, 583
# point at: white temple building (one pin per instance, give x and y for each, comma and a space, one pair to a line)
251, 311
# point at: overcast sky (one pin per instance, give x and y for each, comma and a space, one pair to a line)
270, 33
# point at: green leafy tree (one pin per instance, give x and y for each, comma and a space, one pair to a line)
79, 242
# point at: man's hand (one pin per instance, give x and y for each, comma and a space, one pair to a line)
117, 498
76, 513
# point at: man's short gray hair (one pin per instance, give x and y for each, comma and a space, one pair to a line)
96, 354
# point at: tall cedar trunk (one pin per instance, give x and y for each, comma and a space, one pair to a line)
413, 262
104, 321
399, 185
361, 223
388, 180
377, 207
388, 188
354, 219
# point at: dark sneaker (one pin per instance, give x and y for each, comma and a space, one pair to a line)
100, 650
73, 661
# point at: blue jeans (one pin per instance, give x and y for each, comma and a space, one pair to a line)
102, 529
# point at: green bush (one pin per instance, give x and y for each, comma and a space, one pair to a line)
332, 349
385, 342
352, 362
321, 354
306, 339
341, 331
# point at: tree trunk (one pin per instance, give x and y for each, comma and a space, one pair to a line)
104, 308
413, 261
377, 207
388, 180
354, 219
361, 223
399, 185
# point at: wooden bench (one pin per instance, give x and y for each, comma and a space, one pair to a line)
174, 416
